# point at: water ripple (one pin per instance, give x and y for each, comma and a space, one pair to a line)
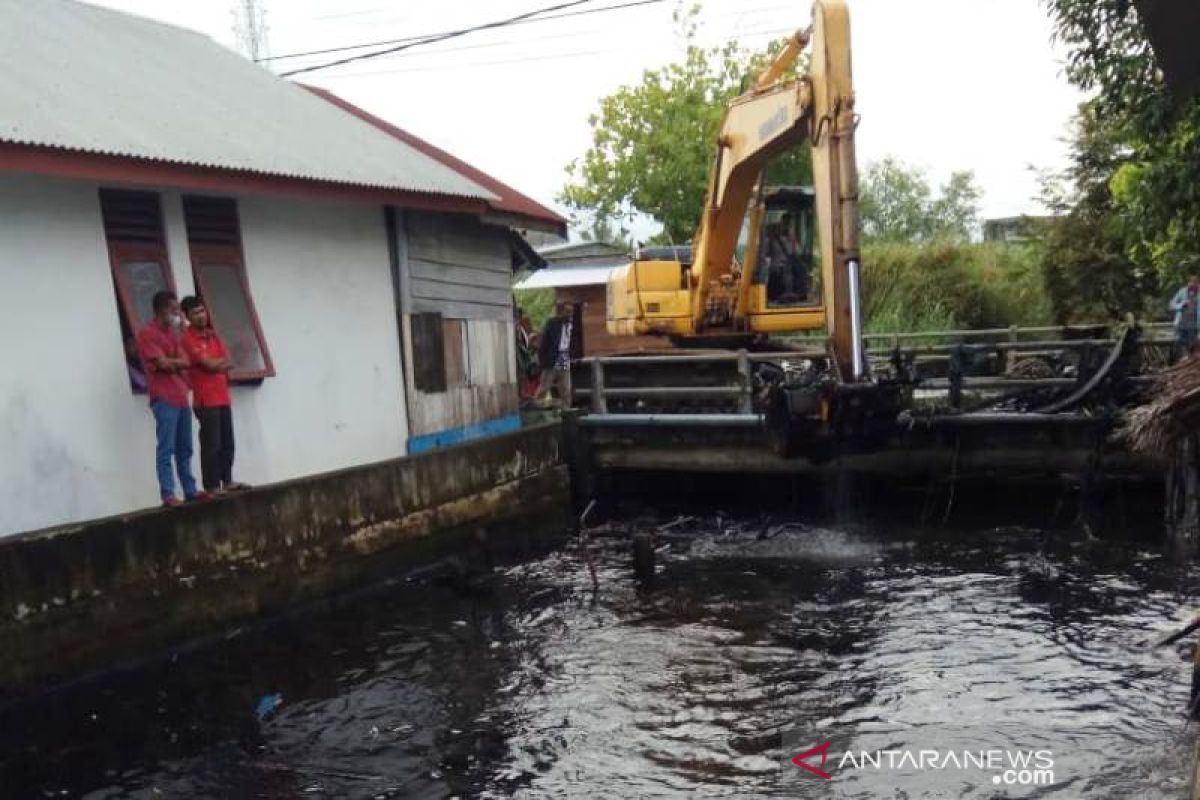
534, 687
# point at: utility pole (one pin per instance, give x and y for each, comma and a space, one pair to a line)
250, 28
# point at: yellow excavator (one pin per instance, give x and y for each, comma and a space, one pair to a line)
748, 273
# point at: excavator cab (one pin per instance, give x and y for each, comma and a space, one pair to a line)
782, 261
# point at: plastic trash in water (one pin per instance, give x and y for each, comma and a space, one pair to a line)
267, 704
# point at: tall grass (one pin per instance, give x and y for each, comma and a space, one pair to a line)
940, 286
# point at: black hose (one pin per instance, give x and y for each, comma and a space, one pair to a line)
1092, 382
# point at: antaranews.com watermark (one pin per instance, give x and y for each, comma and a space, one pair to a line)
1001, 766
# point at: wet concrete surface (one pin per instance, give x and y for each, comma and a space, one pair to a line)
876, 635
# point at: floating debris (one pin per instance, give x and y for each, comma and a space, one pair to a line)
267, 705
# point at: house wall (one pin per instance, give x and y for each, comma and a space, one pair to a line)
320, 278
460, 268
77, 444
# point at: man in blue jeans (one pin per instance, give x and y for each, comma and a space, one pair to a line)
166, 369
1186, 307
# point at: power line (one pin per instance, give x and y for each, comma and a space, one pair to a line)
437, 51
381, 20
524, 59
477, 64
436, 38
555, 37
522, 20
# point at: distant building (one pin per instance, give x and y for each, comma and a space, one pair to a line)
578, 273
539, 238
1014, 230
361, 276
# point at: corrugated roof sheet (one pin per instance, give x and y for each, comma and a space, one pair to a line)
585, 248
553, 277
92, 80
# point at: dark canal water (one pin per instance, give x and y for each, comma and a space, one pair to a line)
872, 637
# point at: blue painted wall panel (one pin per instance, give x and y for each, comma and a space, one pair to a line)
491, 427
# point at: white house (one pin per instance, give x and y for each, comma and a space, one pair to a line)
360, 275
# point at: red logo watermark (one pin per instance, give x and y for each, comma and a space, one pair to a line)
823, 749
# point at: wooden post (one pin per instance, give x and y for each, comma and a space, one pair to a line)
1183, 493
745, 404
599, 404
955, 374
643, 556
577, 454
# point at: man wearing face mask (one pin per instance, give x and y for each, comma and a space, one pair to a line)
166, 368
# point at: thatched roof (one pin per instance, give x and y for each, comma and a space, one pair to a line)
1172, 412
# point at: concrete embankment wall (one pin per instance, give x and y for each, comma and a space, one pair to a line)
95, 595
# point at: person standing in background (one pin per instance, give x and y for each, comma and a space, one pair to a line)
1186, 306
561, 343
166, 367
209, 372
528, 371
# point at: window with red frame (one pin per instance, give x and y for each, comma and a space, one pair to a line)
137, 254
215, 244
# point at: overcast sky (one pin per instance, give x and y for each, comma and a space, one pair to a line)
942, 84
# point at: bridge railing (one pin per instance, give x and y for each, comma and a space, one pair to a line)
1015, 336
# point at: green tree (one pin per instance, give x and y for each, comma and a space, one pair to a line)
654, 142
954, 214
1154, 177
1085, 258
602, 229
897, 204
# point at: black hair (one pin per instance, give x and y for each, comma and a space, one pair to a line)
190, 303
162, 300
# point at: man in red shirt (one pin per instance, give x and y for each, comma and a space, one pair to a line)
165, 366
210, 365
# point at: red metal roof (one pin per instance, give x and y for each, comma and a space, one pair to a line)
530, 212
127, 170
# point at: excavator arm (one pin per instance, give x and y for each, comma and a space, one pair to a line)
757, 126
835, 177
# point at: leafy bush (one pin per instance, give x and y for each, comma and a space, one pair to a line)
537, 303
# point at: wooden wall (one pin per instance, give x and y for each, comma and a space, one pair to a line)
596, 339
459, 268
